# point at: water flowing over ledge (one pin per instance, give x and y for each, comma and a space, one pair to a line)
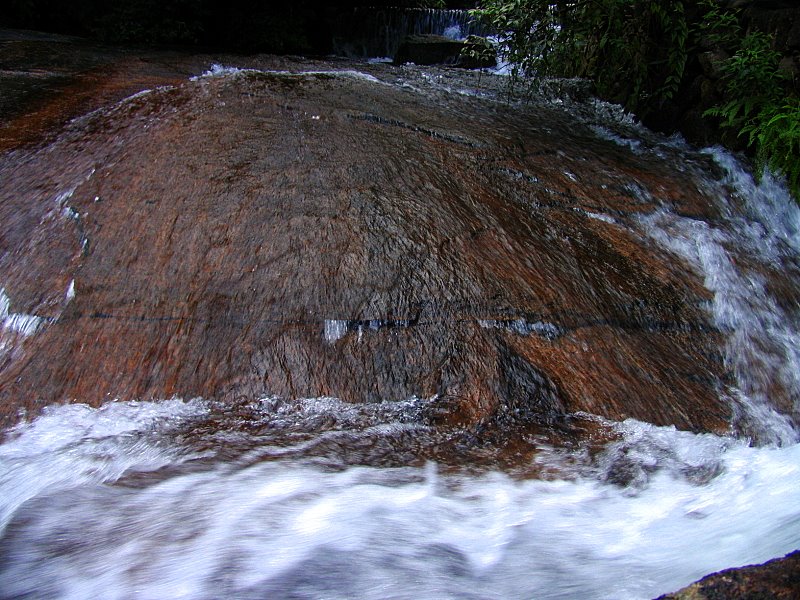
197, 527
427, 427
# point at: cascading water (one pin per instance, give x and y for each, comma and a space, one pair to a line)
762, 346
108, 503
378, 32
194, 499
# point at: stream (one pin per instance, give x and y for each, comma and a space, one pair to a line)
366, 341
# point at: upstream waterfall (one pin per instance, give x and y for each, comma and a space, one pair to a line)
261, 493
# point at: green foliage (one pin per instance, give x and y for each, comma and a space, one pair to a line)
514, 20
479, 51
161, 21
240, 25
753, 82
634, 50
719, 26
753, 70
759, 108
776, 135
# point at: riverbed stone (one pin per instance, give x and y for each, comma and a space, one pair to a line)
216, 231
777, 579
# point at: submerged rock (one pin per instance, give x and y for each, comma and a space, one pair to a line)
777, 579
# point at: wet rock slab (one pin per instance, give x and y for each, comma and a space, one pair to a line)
267, 234
777, 579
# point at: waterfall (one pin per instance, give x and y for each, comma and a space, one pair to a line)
378, 32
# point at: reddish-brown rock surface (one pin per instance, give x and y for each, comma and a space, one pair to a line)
215, 228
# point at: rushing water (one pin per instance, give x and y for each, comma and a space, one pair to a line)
170, 499
109, 503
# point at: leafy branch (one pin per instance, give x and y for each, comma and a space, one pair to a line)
619, 44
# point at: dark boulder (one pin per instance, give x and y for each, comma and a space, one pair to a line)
777, 579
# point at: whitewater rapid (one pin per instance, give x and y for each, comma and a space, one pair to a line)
108, 503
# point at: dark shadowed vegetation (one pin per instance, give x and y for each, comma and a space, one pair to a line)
298, 26
642, 54
639, 53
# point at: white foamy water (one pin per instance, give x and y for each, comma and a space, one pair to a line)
13, 324
217, 70
633, 144
70, 446
70, 293
523, 327
734, 257
88, 511
335, 329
